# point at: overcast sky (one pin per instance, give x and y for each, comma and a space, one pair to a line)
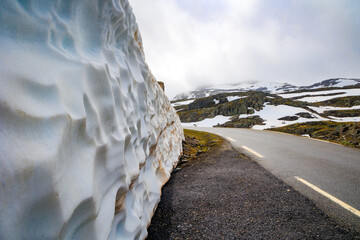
194, 43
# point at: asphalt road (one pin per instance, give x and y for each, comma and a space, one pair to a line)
327, 173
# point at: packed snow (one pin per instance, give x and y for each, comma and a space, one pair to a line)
208, 122
84, 125
216, 101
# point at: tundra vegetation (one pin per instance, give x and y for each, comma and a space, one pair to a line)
347, 133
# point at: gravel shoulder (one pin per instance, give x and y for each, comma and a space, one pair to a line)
224, 195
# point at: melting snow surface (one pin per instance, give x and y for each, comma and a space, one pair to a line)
84, 126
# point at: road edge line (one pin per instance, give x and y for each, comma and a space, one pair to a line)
230, 139
331, 197
252, 151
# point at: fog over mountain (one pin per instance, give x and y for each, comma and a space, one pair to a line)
214, 42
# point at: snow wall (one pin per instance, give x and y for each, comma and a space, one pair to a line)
84, 126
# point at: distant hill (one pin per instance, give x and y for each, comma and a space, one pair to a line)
267, 87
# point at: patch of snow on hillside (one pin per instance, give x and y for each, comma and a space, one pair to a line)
216, 101
208, 122
233, 98
346, 82
271, 113
341, 93
182, 103
348, 93
345, 119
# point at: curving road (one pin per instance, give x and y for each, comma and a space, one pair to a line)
327, 173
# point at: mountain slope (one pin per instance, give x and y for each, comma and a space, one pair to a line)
262, 110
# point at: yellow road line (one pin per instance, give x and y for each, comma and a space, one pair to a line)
331, 197
252, 151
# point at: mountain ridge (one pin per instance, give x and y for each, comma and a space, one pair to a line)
268, 87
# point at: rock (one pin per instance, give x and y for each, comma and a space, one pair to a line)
162, 85
304, 115
289, 118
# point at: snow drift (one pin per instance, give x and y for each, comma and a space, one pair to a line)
84, 126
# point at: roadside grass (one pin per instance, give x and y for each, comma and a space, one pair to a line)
197, 142
347, 133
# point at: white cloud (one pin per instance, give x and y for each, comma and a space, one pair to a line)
212, 42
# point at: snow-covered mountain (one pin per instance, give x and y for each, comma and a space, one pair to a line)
269, 87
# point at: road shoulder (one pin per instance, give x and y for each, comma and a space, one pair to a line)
224, 195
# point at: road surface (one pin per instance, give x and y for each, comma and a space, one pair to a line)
327, 173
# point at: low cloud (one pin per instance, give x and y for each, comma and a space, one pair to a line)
212, 42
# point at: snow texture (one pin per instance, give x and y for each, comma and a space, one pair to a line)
84, 126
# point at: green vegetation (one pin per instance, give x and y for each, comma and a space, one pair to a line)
206, 108
243, 122
343, 113
289, 102
197, 142
343, 133
209, 107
